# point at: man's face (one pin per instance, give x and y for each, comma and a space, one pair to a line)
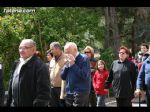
144, 49
54, 51
26, 50
70, 50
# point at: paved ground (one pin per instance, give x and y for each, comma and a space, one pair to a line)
111, 102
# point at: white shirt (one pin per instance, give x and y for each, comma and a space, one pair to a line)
18, 68
76, 55
0, 66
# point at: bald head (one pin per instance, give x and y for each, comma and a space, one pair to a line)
27, 48
71, 48
30, 42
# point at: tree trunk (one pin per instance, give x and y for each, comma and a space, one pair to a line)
107, 23
143, 24
112, 32
133, 39
115, 34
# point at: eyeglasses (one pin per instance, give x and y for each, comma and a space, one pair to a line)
87, 52
122, 53
25, 47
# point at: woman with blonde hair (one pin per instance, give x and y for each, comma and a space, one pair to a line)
89, 51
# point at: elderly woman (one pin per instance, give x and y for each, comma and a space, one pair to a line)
123, 78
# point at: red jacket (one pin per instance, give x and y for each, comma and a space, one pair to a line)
99, 79
139, 66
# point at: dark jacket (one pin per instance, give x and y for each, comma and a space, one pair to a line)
78, 76
34, 84
123, 78
1, 87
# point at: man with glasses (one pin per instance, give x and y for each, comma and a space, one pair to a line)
29, 82
123, 78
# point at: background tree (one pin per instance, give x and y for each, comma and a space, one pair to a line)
103, 28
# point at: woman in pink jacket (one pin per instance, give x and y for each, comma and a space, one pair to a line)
99, 79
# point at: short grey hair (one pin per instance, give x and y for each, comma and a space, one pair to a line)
55, 44
30, 41
71, 44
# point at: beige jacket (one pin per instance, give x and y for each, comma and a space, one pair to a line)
55, 69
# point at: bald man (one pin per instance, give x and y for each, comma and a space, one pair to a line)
29, 83
76, 73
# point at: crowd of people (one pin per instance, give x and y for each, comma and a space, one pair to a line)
74, 79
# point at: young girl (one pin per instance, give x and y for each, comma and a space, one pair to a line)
99, 79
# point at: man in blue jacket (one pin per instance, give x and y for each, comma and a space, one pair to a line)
143, 81
76, 73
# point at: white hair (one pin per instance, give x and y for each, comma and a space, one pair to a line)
30, 41
70, 44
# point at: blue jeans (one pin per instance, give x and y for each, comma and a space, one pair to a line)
100, 100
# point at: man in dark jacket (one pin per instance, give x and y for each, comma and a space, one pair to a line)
1, 87
29, 83
123, 78
76, 73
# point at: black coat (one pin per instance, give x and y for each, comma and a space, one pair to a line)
34, 84
123, 78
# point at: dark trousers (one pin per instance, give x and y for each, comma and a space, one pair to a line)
77, 99
92, 99
55, 97
124, 102
148, 97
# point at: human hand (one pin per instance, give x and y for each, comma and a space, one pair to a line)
138, 92
69, 59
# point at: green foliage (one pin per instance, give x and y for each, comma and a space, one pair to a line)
82, 25
46, 25
108, 56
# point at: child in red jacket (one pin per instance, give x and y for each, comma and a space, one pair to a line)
99, 79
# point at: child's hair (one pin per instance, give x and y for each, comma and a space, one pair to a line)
101, 61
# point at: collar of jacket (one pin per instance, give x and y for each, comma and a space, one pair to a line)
28, 64
78, 57
123, 61
148, 60
58, 58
